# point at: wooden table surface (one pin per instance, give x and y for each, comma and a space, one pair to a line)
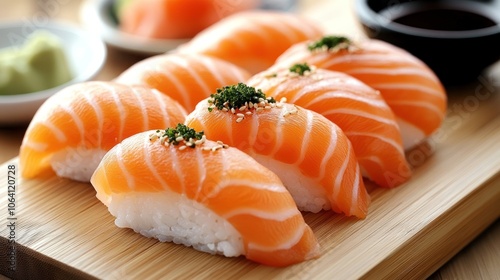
479, 260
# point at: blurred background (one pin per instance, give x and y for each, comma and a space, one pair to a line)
479, 258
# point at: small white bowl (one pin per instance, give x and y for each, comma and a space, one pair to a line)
98, 15
85, 53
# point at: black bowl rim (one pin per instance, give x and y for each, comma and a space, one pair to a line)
373, 19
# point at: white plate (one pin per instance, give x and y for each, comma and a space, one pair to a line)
86, 54
97, 15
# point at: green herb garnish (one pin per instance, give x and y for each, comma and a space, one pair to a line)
330, 43
236, 96
181, 133
300, 68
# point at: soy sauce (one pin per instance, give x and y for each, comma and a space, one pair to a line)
436, 17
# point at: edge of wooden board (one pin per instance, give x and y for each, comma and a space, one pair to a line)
465, 218
409, 232
444, 236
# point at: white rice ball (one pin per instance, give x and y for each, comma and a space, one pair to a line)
76, 163
307, 193
171, 217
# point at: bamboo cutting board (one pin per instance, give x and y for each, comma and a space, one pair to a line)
62, 229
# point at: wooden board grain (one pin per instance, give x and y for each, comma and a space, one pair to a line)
479, 260
63, 231
410, 231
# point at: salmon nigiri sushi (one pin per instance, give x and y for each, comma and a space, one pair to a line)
75, 127
356, 108
187, 78
175, 185
174, 19
410, 88
253, 39
310, 154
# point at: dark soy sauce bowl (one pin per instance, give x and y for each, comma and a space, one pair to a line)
457, 39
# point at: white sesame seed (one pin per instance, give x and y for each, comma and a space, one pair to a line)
243, 108
262, 104
179, 139
279, 105
267, 107
189, 144
248, 113
233, 111
220, 142
198, 142
239, 120
225, 109
250, 105
153, 137
240, 115
283, 100
259, 109
225, 146
206, 148
182, 148
261, 99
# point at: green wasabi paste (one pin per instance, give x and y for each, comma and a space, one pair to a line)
37, 65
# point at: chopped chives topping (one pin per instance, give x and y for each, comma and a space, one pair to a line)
186, 136
300, 69
330, 43
179, 134
235, 96
240, 100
